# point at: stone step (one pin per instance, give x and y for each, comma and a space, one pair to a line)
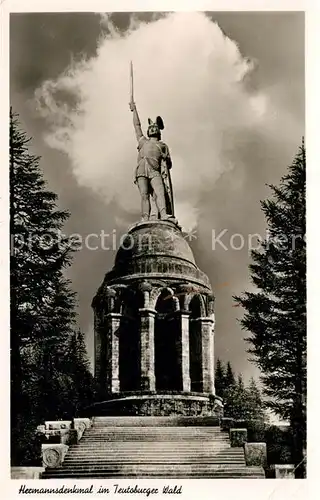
160, 460
158, 442
131, 447
193, 475
169, 454
155, 421
154, 428
113, 465
208, 435
179, 453
157, 439
134, 447
156, 435
79, 458
192, 435
157, 447
153, 454
150, 452
172, 471
90, 454
152, 439
163, 467
156, 431
151, 432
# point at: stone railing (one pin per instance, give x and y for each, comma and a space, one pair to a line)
255, 452
60, 434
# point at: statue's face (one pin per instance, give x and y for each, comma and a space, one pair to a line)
153, 131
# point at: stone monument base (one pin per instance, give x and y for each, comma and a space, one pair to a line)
155, 404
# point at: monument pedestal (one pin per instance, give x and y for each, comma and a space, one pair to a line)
155, 329
162, 405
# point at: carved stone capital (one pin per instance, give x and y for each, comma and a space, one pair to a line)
81, 424
86, 421
204, 320
145, 311
145, 286
53, 454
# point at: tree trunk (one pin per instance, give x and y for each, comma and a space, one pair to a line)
298, 426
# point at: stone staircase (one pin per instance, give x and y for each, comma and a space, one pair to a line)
154, 447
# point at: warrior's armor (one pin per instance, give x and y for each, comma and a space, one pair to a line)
150, 155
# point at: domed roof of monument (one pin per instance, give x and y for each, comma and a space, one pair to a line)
155, 250
154, 238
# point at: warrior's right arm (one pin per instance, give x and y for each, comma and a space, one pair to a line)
136, 121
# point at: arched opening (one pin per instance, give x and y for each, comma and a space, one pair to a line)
195, 344
129, 344
166, 338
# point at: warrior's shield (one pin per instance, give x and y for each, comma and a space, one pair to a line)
166, 178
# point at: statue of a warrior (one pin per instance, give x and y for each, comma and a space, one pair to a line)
152, 172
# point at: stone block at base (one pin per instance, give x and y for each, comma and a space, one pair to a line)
238, 437
159, 405
53, 454
284, 471
26, 472
255, 454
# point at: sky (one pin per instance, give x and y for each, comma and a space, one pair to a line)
230, 88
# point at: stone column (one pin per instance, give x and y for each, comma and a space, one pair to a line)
207, 354
183, 349
112, 352
148, 380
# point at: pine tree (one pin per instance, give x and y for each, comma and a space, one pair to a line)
240, 383
42, 304
219, 378
229, 377
38, 250
254, 393
276, 313
244, 403
234, 396
254, 402
235, 402
79, 366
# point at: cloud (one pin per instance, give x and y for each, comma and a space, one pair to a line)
185, 69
